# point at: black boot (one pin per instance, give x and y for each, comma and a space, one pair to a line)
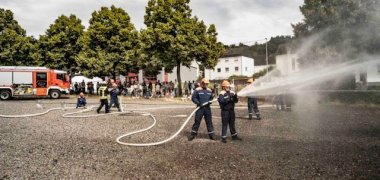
212, 137
250, 116
224, 140
258, 116
236, 138
191, 137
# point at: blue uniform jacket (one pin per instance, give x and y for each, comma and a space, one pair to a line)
114, 93
227, 100
201, 96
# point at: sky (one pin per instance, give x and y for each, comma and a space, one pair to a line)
237, 21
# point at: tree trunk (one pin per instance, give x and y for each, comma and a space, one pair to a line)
179, 78
70, 72
114, 74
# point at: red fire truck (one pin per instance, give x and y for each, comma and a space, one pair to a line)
22, 81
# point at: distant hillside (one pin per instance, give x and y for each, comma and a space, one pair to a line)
257, 51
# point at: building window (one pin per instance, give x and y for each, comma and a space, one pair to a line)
227, 69
226, 60
236, 68
219, 70
246, 68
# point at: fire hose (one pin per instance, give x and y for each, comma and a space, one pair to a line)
71, 115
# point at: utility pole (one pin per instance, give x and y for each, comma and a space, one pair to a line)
266, 56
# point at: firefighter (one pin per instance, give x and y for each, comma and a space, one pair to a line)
103, 93
252, 103
227, 99
114, 93
202, 97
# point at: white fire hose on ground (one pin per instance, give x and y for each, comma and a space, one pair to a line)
71, 115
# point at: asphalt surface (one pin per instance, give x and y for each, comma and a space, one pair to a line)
312, 141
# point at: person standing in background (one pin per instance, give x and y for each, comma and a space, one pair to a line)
252, 103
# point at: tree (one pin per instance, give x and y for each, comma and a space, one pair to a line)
273, 44
109, 43
174, 38
16, 48
60, 45
342, 27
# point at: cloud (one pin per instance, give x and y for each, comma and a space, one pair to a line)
249, 20
236, 20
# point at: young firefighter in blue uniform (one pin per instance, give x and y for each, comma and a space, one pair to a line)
103, 93
252, 103
201, 97
114, 93
81, 101
227, 100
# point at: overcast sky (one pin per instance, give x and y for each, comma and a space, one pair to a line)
236, 20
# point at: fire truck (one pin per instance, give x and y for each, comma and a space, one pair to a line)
22, 81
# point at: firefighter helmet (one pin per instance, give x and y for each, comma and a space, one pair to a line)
205, 80
225, 83
250, 80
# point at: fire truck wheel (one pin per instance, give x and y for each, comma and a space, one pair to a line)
5, 94
54, 94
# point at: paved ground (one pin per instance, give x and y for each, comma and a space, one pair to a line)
312, 141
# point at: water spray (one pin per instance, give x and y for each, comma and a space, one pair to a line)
306, 78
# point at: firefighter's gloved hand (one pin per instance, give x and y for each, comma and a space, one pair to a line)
235, 98
228, 98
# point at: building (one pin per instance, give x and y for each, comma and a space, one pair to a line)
287, 64
368, 76
241, 61
373, 75
229, 66
187, 73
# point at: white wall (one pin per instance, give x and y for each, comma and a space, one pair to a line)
187, 74
373, 74
231, 63
248, 66
287, 64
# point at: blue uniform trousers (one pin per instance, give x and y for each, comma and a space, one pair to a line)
228, 119
206, 112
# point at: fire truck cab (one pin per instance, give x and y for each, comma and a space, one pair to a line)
22, 81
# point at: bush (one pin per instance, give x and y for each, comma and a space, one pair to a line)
356, 97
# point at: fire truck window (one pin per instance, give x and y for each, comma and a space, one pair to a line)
41, 80
61, 77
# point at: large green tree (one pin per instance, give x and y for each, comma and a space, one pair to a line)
343, 27
109, 43
60, 45
174, 38
16, 48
